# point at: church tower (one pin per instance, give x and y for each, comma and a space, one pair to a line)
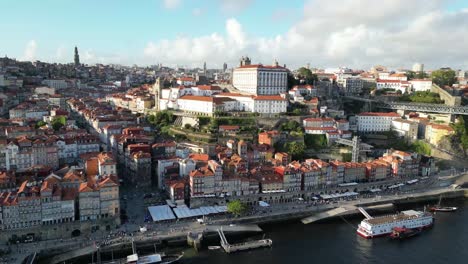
77, 57
157, 90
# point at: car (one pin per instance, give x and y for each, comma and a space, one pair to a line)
232, 225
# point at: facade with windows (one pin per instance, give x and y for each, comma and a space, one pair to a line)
261, 79
375, 122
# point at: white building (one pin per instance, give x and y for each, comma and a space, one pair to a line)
402, 86
421, 84
375, 122
186, 166
418, 67
56, 83
261, 79
186, 81
350, 85
405, 128
263, 104
204, 105
44, 90
270, 104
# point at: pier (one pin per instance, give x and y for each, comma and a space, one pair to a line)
229, 248
352, 208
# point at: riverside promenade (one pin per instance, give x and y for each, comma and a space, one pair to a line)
177, 231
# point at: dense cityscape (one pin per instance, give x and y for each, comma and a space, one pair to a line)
95, 156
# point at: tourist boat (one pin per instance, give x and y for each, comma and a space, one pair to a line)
383, 225
439, 208
403, 232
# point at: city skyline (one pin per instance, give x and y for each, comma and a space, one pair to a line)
393, 33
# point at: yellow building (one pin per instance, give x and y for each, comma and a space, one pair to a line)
435, 133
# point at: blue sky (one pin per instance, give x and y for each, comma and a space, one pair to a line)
124, 27
180, 31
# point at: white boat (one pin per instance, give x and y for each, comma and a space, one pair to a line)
214, 247
383, 225
152, 258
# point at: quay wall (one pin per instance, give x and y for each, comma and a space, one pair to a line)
61, 231
181, 238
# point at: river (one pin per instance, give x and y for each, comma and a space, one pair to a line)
337, 242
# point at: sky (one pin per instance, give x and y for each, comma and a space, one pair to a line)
324, 33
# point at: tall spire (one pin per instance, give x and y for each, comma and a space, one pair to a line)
77, 57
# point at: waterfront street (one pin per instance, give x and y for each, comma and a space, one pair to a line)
179, 228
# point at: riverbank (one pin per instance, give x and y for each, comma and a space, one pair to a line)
180, 238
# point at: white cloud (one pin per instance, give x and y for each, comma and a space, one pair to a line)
29, 53
235, 6
197, 11
172, 4
61, 54
395, 33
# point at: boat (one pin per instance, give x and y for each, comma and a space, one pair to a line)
403, 232
443, 209
439, 208
214, 247
372, 227
153, 259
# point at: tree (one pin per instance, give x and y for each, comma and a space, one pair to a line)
296, 150
306, 74
188, 126
58, 122
444, 77
40, 124
421, 147
461, 132
236, 207
292, 81
315, 141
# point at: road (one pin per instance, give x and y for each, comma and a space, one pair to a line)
135, 207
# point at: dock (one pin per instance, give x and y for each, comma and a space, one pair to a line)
353, 208
230, 248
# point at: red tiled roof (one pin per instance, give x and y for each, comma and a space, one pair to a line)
199, 157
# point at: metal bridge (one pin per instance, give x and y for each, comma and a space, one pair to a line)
357, 145
418, 107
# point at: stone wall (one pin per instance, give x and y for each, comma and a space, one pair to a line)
60, 231
446, 96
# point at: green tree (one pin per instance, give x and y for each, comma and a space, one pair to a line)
292, 81
306, 74
40, 124
296, 150
188, 126
461, 132
315, 141
444, 77
236, 207
291, 125
58, 122
421, 147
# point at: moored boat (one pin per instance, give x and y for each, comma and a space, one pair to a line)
442, 209
383, 225
153, 259
402, 232
439, 208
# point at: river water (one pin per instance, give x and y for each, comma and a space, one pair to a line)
337, 242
